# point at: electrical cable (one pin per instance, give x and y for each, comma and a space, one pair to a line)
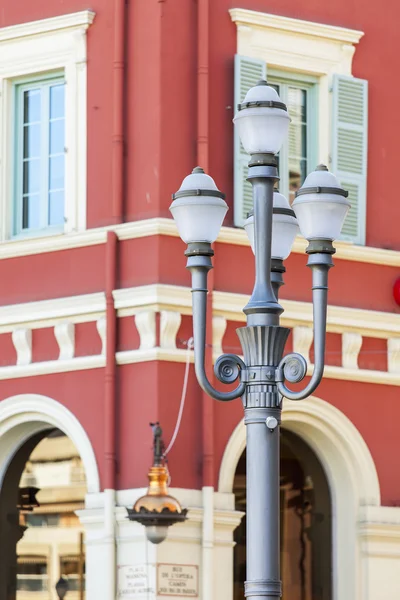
190, 345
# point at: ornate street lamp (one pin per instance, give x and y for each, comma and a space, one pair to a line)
319, 209
157, 510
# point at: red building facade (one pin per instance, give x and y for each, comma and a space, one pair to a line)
96, 309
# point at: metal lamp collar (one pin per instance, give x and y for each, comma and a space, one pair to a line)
198, 192
277, 210
262, 103
321, 189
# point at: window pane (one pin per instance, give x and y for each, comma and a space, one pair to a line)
31, 141
31, 212
56, 173
56, 208
57, 136
297, 174
297, 154
57, 109
31, 176
297, 103
32, 106
41, 132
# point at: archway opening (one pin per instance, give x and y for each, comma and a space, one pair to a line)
41, 536
306, 523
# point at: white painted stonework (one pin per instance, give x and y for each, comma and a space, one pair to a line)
185, 544
172, 302
366, 536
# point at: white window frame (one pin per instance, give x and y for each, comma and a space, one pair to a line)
310, 85
299, 47
38, 48
17, 197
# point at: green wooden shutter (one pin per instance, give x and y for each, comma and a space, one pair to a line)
248, 71
349, 151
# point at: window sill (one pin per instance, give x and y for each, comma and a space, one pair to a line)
37, 234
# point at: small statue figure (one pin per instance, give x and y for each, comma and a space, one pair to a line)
158, 444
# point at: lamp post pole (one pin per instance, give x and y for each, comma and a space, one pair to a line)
320, 208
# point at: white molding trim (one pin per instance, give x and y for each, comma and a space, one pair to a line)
29, 49
160, 297
351, 475
145, 301
129, 357
48, 313
83, 18
362, 375
369, 323
163, 226
157, 296
65, 336
351, 346
296, 26
24, 415
22, 340
47, 367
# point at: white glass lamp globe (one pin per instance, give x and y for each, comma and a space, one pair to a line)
284, 228
321, 205
262, 120
198, 208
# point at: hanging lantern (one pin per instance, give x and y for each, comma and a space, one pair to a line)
157, 510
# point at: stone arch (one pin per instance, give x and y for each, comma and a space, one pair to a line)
25, 415
350, 471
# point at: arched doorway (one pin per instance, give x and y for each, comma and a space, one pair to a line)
350, 471
306, 524
41, 536
25, 420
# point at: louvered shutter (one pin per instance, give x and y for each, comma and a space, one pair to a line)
248, 71
349, 151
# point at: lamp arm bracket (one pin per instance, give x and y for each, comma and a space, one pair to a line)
227, 370
293, 368
228, 367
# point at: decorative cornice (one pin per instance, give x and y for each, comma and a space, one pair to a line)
48, 313
368, 323
80, 363
243, 16
157, 296
172, 301
83, 18
163, 226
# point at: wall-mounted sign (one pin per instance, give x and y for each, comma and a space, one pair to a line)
177, 580
133, 582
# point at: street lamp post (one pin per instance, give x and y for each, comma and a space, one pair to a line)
319, 210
